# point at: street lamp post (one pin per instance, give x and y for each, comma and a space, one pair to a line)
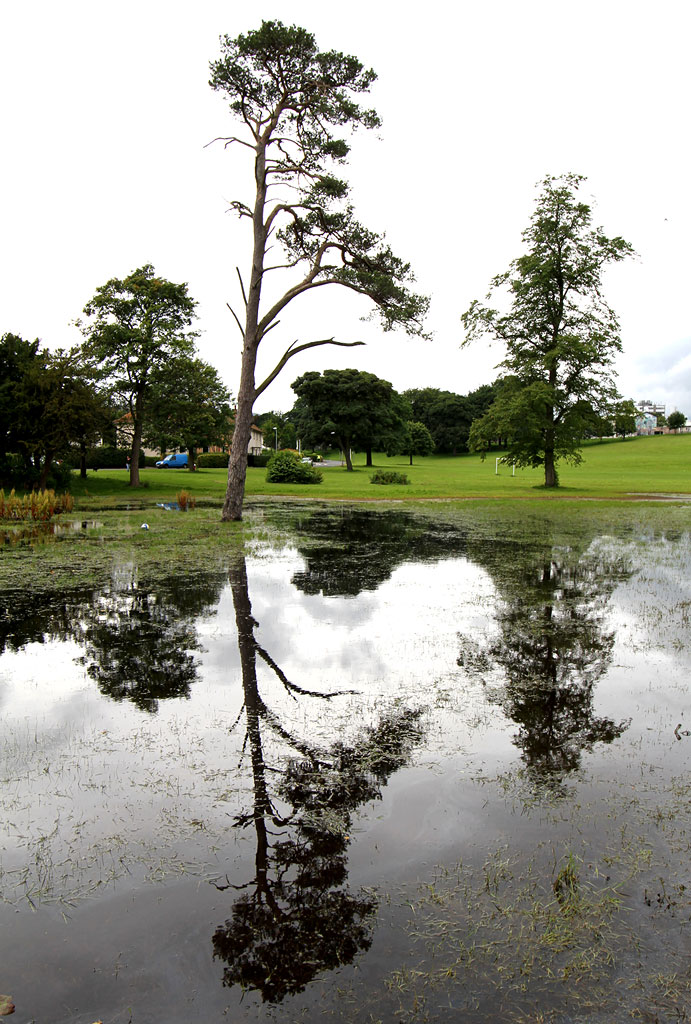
276, 436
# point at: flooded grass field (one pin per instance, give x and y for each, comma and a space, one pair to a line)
358, 764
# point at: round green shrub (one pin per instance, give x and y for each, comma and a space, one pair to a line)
287, 468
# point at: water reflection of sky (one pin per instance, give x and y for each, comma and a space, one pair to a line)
486, 637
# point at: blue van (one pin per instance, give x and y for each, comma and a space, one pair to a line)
178, 461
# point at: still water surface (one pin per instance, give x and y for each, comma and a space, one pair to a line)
382, 766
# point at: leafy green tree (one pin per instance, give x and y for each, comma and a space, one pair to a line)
16, 357
560, 335
416, 440
676, 420
136, 325
624, 416
354, 405
188, 408
295, 106
57, 407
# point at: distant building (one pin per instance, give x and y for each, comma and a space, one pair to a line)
651, 408
646, 423
256, 442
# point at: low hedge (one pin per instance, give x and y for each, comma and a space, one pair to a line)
388, 476
212, 460
104, 457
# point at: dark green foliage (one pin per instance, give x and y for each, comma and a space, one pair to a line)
596, 424
23, 474
48, 407
387, 476
675, 420
104, 457
448, 416
16, 359
560, 335
356, 407
287, 468
257, 461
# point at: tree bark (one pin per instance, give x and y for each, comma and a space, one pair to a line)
550, 468
45, 470
345, 448
237, 463
136, 438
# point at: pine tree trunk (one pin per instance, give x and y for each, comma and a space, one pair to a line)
242, 430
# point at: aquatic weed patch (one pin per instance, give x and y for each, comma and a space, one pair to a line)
582, 923
154, 540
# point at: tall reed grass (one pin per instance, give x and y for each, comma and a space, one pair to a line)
40, 506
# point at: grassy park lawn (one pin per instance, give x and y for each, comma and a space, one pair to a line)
612, 469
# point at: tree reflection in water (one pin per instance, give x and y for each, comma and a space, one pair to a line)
138, 638
352, 550
139, 642
297, 916
553, 647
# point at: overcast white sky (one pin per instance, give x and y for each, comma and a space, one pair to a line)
106, 111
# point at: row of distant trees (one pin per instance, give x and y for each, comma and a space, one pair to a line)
137, 365
353, 409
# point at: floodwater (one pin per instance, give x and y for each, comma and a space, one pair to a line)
383, 766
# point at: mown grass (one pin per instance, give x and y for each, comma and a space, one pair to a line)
613, 469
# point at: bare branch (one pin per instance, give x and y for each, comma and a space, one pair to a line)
242, 287
293, 350
242, 209
242, 331
228, 141
293, 688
